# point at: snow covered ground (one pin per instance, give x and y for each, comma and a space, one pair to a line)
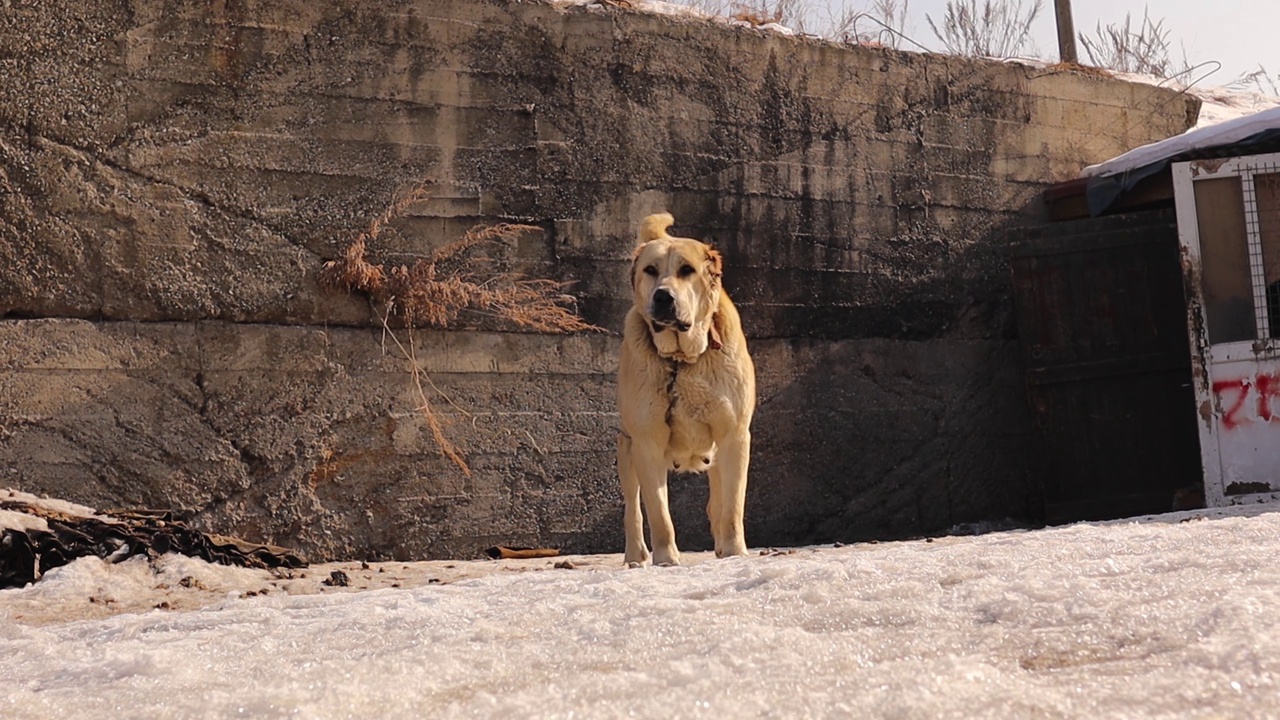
1176, 616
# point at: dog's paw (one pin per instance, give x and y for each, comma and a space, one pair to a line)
666, 558
738, 549
636, 558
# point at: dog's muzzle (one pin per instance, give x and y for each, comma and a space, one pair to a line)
662, 310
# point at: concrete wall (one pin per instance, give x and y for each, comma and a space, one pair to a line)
173, 174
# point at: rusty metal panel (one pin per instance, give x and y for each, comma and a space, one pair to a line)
1102, 324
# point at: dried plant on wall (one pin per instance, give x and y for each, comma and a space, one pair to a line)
461, 278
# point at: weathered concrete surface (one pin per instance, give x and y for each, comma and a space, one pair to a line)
176, 172
308, 436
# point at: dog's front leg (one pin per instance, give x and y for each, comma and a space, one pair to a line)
733, 458
651, 470
633, 517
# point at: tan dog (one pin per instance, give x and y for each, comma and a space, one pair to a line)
686, 392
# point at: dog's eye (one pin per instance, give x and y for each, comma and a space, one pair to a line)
686, 270
651, 270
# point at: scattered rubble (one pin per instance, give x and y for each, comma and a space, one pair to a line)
37, 536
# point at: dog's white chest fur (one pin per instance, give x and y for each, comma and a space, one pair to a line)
690, 447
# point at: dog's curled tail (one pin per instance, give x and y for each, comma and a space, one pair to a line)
655, 226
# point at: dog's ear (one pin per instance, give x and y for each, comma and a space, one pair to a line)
635, 263
654, 227
715, 263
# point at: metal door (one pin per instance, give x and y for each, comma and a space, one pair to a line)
1102, 326
1229, 231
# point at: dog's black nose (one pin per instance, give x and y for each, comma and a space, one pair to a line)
664, 306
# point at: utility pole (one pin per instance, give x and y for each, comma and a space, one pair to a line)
1066, 32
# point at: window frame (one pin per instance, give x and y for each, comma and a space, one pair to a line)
1185, 175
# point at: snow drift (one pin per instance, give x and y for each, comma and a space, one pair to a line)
1166, 617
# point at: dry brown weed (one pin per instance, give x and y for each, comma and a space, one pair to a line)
756, 18
1088, 70
461, 277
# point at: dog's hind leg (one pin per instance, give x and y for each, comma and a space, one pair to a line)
633, 517
715, 482
734, 455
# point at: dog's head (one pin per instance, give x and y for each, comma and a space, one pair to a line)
675, 281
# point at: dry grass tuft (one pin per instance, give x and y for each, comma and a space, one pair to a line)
764, 12
353, 273
756, 18
459, 278
1124, 48
1088, 70
463, 278
986, 28
1258, 81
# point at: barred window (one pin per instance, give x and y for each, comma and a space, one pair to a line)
1224, 259
1238, 223
1267, 195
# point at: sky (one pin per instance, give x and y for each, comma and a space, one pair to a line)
1175, 616
1240, 34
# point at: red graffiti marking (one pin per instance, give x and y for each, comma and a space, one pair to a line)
1268, 389
1230, 417
1232, 395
